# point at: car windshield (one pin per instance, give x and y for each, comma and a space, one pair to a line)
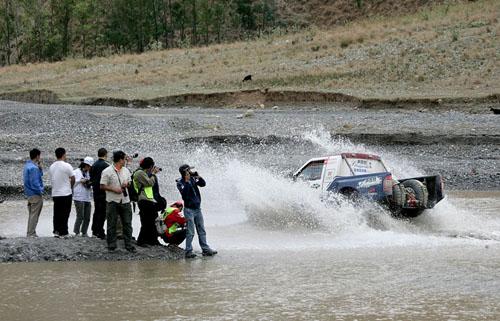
312, 171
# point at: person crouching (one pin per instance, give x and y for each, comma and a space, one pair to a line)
175, 233
144, 179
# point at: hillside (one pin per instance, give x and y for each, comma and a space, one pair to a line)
445, 51
327, 13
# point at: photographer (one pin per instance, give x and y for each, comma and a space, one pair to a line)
188, 187
82, 196
114, 181
144, 179
99, 195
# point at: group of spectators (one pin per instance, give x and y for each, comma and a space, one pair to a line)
113, 189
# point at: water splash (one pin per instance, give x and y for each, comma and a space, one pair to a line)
399, 166
247, 193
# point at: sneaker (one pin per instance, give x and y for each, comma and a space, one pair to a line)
85, 235
57, 236
111, 248
131, 249
209, 252
190, 255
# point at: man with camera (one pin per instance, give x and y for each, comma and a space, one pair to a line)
114, 181
188, 187
144, 179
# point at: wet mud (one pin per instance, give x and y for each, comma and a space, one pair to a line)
28, 249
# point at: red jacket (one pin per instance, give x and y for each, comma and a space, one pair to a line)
173, 217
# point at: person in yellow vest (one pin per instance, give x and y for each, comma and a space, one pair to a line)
144, 179
176, 224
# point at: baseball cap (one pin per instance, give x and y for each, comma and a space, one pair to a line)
88, 160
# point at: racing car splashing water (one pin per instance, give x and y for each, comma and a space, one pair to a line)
361, 175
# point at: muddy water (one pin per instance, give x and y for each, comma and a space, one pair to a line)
446, 265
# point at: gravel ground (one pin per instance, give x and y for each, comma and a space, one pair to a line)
25, 249
463, 147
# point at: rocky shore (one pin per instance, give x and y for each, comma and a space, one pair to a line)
462, 146
27, 249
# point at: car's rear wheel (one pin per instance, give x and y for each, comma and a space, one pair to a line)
398, 196
350, 194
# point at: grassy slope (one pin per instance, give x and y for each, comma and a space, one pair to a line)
440, 52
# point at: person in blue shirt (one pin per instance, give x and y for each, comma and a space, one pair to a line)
188, 187
33, 189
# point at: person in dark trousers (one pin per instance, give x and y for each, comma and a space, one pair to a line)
144, 179
188, 187
99, 195
33, 189
63, 180
82, 196
114, 181
175, 233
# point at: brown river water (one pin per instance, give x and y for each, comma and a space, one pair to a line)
443, 266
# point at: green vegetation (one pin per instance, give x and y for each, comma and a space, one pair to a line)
50, 30
453, 52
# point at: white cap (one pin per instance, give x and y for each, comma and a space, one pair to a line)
88, 160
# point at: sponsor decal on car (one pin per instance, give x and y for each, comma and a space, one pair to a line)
371, 181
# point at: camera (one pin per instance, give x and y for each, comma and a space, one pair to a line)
124, 191
194, 174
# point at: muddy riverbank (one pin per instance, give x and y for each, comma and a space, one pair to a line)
262, 98
28, 249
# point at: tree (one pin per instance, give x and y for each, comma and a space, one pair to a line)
245, 11
41, 30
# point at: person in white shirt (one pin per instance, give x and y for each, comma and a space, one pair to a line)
82, 196
62, 180
115, 180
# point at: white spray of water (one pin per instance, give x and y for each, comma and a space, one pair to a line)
446, 218
243, 193
400, 167
252, 202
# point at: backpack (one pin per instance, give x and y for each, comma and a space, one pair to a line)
160, 225
133, 194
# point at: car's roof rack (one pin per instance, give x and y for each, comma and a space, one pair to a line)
360, 156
